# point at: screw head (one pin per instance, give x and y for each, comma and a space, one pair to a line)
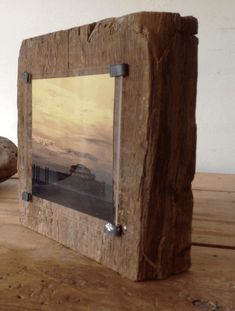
114, 230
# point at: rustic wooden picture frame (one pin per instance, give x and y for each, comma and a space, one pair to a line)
157, 146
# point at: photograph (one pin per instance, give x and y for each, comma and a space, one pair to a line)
72, 142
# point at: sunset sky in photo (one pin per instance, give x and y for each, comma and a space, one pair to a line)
72, 123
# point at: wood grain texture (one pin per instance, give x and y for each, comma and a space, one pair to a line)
214, 218
170, 161
214, 182
157, 146
214, 212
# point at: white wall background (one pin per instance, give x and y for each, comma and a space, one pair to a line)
20, 19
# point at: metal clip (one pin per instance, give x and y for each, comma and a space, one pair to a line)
27, 77
26, 196
119, 70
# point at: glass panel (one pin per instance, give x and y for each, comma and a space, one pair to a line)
72, 142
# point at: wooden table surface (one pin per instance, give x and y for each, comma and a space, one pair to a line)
39, 274
214, 210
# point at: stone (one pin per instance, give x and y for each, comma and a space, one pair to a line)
8, 159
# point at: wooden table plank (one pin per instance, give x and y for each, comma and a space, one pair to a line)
214, 210
215, 182
55, 278
9, 190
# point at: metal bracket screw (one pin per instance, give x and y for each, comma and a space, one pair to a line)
114, 230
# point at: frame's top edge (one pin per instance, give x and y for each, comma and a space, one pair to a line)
154, 21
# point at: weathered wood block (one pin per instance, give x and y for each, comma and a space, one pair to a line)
154, 159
